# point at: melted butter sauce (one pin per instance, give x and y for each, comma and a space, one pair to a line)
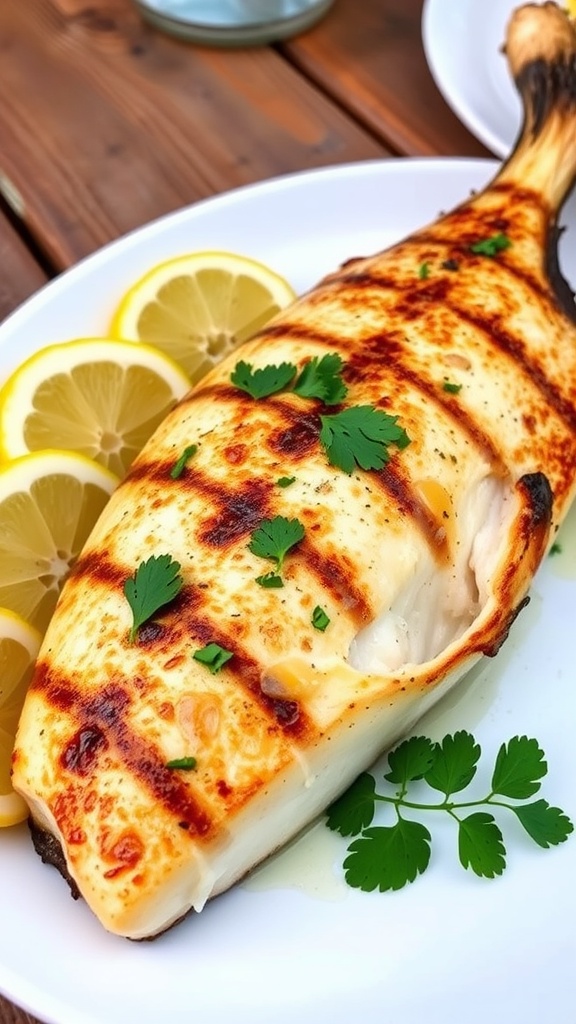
310, 863
562, 563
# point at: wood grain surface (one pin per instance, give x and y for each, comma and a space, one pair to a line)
110, 124
21, 274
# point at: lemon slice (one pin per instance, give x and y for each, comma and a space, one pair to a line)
199, 307
49, 502
19, 646
100, 397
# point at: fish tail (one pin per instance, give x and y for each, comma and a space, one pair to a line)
541, 51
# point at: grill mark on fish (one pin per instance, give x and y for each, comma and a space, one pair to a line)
391, 347
511, 346
391, 480
337, 576
192, 623
103, 715
239, 514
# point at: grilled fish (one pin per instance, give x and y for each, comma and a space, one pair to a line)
420, 565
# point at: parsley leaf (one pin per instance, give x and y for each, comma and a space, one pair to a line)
213, 656
354, 810
480, 845
264, 382
491, 246
386, 858
156, 582
179, 466
186, 764
274, 538
321, 378
411, 760
360, 436
270, 581
452, 389
546, 825
285, 481
320, 619
423, 270
518, 768
556, 548
454, 766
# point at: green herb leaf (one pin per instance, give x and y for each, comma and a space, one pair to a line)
387, 858
185, 764
321, 378
213, 656
274, 538
480, 845
491, 246
285, 481
452, 389
264, 382
320, 620
360, 436
412, 759
423, 271
518, 768
556, 548
455, 763
546, 825
354, 810
156, 582
270, 581
179, 466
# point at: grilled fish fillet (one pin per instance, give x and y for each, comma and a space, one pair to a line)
421, 565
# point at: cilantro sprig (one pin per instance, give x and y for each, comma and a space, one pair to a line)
360, 435
264, 382
273, 539
156, 583
491, 246
319, 378
387, 857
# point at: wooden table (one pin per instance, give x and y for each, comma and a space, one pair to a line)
106, 123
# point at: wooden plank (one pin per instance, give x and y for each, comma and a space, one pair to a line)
109, 124
369, 57
21, 275
10, 1014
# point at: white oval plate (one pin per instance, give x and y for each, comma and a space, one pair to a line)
463, 43
295, 944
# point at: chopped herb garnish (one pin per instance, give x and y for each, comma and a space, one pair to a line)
360, 436
453, 389
491, 246
264, 382
387, 857
285, 481
270, 581
155, 583
274, 538
423, 271
185, 764
320, 619
556, 548
213, 656
179, 466
321, 378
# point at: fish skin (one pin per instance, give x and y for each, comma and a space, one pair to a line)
290, 721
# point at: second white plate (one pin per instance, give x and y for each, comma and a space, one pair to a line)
463, 46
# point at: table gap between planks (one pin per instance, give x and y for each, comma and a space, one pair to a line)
107, 124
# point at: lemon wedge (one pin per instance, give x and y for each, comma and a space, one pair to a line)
100, 397
49, 502
19, 646
200, 307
